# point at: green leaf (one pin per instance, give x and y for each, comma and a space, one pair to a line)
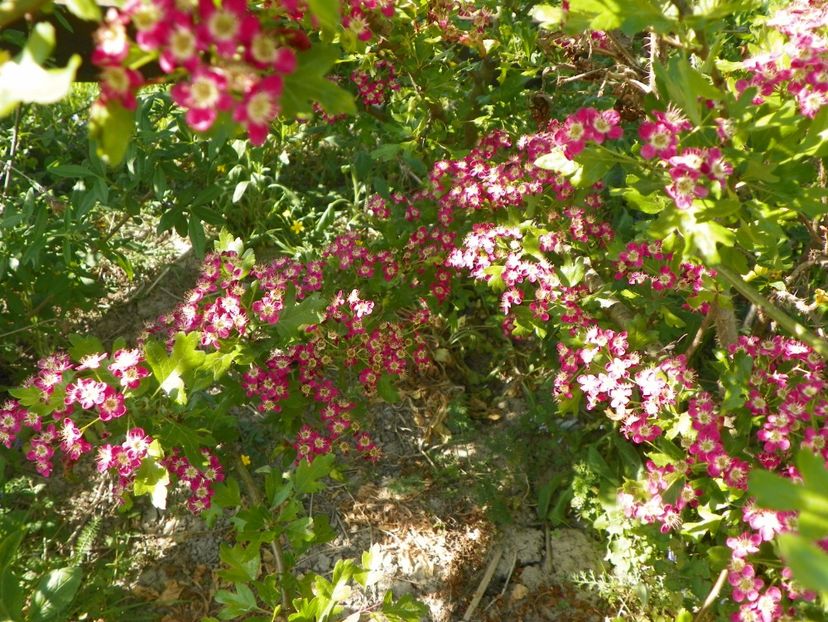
11, 594
631, 16
197, 236
706, 236
813, 471
85, 9
686, 85
294, 317
245, 562
227, 494
649, 204
220, 361
308, 475
84, 345
774, 491
549, 16
238, 193
557, 162
236, 604
111, 127
573, 271
808, 561
71, 171
169, 370
404, 609
152, 479
387, 390
308, 84
54, 593
24, 80
327, 12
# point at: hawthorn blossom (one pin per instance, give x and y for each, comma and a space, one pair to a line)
204, 96
259, 108
225, 27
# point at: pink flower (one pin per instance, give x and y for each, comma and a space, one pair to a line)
746, 584
124, 359
660, 140
225, 27
182, 46
136, 444
259, 107
111, 41
112, 405
264, 53
120, 84
716, 167
606, 126
766, 523
150, 19
204, 96
86, 392
744, 544
685, 187
666, 279
91, 361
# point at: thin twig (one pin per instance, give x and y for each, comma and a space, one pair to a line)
714, 593
30, 327
699, 338
484, 583
512, 565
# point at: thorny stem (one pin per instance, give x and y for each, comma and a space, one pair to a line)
820, 346
253, 492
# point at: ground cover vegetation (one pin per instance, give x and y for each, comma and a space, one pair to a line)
617, 210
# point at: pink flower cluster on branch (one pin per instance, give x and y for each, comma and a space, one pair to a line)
646, 262
788, 410
376, 85
799, 65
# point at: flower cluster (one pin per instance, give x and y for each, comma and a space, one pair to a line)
647, 503
358, 14
378, 207
788, 410
799, 63
234, 299
198, 481
350, 252
587, 125
231, 60
646, 262
375, 86
479, 180
692, 170
126, 458
461, 21
659, 138
632, 391
496, 255
85, 396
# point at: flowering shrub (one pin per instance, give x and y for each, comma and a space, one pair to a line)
612, 243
